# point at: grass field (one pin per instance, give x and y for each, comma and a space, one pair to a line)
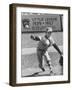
30, 64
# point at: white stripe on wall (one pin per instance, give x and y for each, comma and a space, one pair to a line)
26, 51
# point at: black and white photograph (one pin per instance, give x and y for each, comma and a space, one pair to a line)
40, 44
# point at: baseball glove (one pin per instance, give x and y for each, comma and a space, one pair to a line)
61, 60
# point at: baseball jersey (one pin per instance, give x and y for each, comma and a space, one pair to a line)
45, 43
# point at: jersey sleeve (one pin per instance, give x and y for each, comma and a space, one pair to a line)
39, 37
52, 40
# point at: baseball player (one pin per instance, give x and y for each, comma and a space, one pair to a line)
42, 49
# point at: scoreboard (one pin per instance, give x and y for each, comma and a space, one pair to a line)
31, 22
